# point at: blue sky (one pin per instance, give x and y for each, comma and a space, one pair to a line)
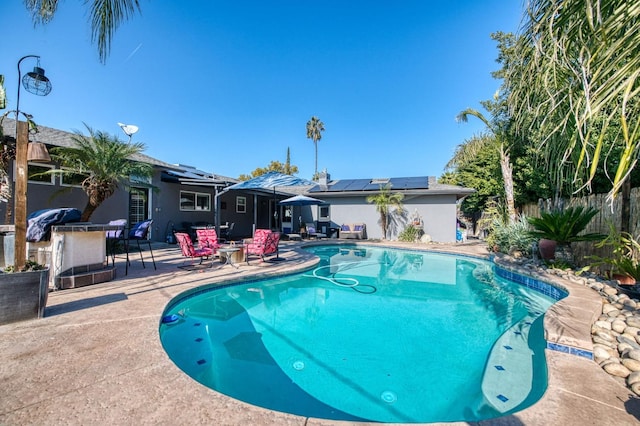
228, 86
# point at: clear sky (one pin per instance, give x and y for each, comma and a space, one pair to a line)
228, 86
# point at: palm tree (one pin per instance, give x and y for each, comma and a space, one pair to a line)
384, 200
499, 139
105, 17
315, 127
105, 161
575, 79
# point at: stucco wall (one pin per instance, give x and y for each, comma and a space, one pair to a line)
438, 213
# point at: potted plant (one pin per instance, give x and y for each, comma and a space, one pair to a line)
562, 227
623, 262
23, 293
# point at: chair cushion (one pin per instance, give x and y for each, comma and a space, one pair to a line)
311, 229
117, 233
345, 228
358, 227
140, 230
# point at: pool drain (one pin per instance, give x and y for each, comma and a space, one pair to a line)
298, 365
388, 397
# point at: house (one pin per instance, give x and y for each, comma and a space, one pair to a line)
432, 203
180, 196
176, 196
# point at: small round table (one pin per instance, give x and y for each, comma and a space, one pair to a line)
228, 254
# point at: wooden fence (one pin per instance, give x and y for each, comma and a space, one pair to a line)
600, 223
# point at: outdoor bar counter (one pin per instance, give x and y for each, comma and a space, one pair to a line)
78, 253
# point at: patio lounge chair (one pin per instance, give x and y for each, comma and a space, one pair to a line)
208, 238
312, 232
356, 231
190, 252
264, 242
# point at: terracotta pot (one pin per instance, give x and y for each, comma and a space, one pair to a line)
547, 249
624, 279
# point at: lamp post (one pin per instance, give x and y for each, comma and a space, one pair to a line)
37, 83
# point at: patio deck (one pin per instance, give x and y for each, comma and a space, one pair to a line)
96, 358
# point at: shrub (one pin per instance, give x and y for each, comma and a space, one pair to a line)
410, 234
509, 237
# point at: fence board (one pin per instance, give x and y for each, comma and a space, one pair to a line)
599, 224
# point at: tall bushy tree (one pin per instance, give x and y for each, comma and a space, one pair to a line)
475, 164
107, 163
315, 127
500, 142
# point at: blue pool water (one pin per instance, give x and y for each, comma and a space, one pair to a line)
369, 335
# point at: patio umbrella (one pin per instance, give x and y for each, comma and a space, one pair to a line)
271, 180
266, 183
301, 200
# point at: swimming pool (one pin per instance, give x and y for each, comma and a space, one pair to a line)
370, 334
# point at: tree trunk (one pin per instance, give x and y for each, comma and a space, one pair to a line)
315, 175
507, 177
87, 212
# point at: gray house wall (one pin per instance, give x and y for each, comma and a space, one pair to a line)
438, 213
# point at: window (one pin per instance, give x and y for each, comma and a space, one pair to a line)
138, 205
72, 179
195, 201
241, 204
38, 173
324, 213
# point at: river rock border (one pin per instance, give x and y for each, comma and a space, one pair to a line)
615, 333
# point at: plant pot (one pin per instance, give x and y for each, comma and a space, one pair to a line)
624, 279
23, 295
547, 249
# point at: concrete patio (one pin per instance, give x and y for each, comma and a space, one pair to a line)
96, 357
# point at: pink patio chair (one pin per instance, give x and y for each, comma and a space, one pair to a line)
190, 252
208, 238
264, 242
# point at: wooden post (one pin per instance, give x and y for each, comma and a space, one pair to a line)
21, 176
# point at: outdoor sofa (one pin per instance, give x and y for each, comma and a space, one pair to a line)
356, 231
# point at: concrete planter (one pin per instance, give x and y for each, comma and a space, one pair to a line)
23, 295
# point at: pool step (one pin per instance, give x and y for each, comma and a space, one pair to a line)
509, 372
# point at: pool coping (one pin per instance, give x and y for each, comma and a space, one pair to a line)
96, 357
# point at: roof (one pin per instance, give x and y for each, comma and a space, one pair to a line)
423, 185
188, 175
55, 137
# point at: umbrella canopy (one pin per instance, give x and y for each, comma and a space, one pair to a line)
271, 180
301, 200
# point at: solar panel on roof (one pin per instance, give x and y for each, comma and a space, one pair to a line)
339, 185
343, 185
410, 183
357, 185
